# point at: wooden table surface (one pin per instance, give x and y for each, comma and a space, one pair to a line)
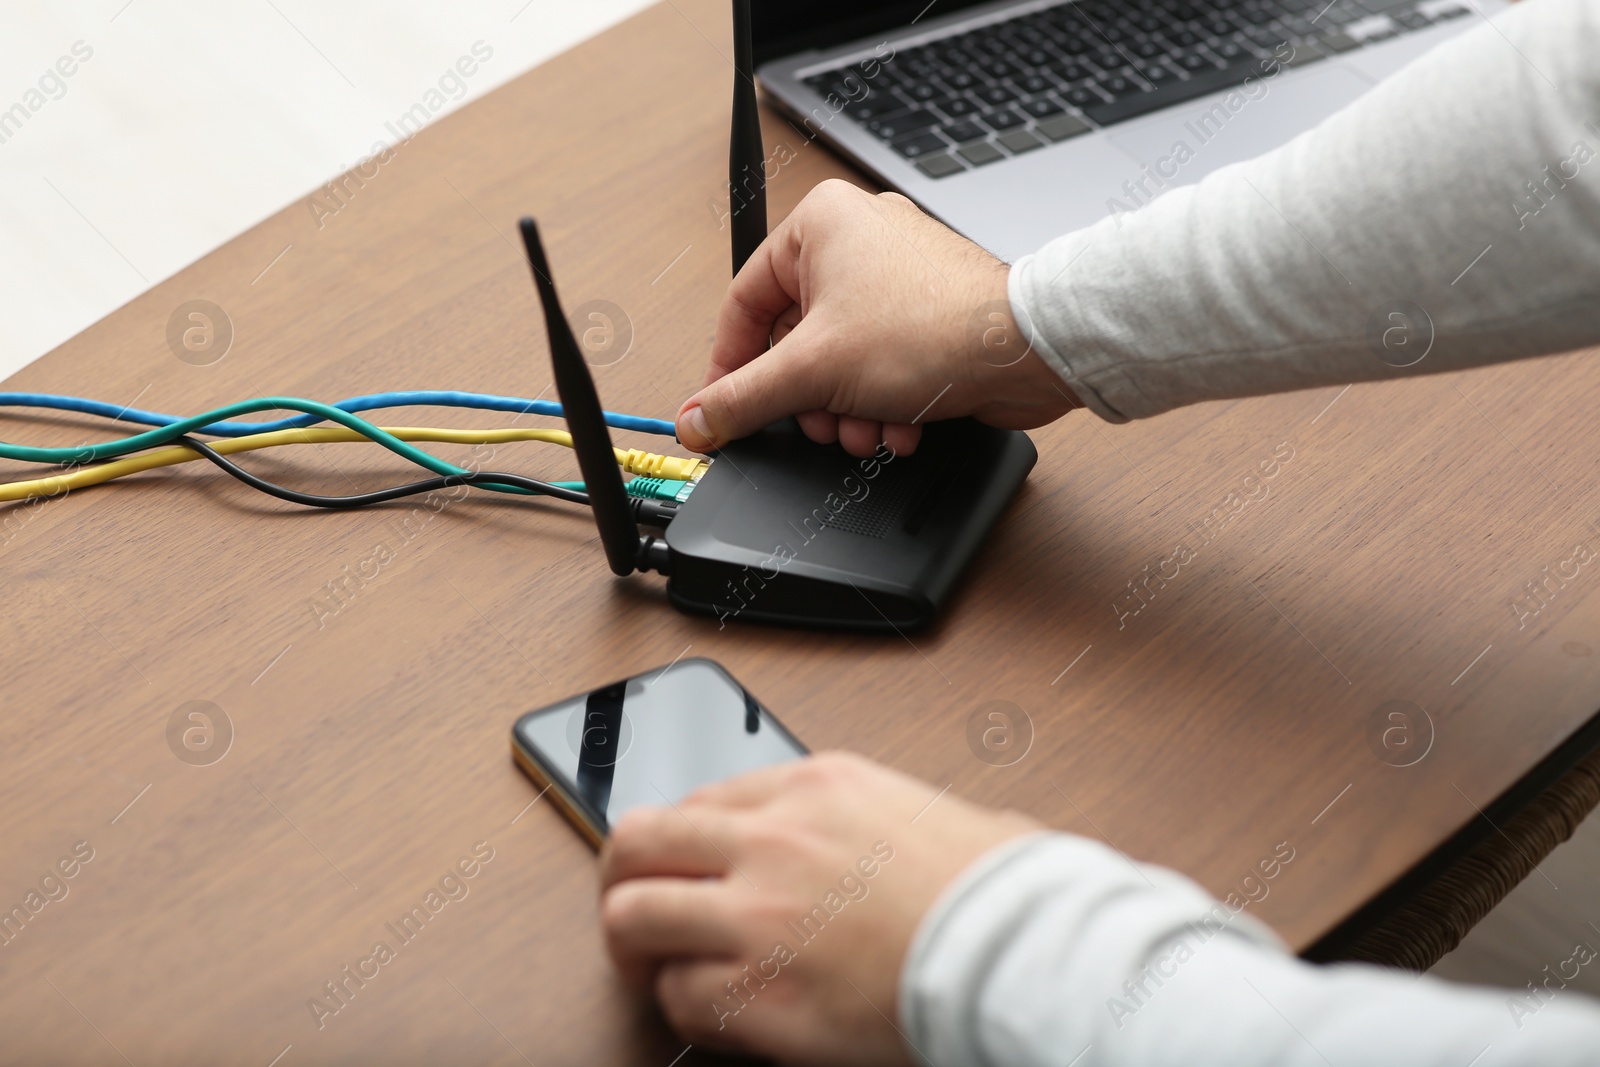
1231, 719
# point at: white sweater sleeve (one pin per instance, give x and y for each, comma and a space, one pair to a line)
1467, 186
1055, 950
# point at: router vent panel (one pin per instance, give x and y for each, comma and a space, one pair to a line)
882, 509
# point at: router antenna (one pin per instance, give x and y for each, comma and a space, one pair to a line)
585, 421
747, 181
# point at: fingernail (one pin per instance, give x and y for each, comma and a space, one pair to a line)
695, 419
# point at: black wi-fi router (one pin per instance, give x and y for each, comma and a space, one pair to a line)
781, 529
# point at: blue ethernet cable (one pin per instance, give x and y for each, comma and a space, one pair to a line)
372, 402
167, 434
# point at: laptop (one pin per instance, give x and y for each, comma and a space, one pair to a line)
1016, 122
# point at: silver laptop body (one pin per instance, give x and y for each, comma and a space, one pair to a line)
1068, 112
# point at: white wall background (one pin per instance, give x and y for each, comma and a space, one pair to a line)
191, 121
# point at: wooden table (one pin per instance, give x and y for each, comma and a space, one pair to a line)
1231, 718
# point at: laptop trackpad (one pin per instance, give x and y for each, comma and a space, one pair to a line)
1238, 125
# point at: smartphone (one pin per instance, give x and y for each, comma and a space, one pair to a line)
647, 741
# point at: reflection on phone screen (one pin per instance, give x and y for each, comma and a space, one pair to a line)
653, 739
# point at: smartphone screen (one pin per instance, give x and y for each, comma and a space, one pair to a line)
648, 741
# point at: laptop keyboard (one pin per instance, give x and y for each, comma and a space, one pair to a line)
1006, 88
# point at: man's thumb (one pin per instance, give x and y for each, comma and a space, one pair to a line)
694, 431
776, 383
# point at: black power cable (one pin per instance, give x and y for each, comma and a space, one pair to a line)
361, 500
645, 512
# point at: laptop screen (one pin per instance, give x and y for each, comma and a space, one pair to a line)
784, 27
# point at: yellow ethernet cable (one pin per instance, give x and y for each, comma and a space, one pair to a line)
634, 461
650, 465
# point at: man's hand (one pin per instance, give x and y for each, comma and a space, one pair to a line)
881, 319
771, 913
